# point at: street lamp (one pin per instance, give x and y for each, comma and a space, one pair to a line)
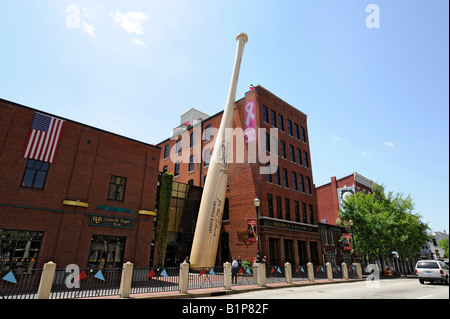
350, 222
258, 253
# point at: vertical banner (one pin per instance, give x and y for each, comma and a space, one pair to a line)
251, 230
250, 121
346, 242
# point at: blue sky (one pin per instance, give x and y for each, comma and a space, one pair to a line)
377, 99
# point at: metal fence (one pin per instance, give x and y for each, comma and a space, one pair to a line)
19, 283
205, 277
337, 272
85, 283
299, 273
147, 280
244, 276
352, 272
320, 272
274, 274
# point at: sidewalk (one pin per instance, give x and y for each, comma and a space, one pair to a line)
217, 291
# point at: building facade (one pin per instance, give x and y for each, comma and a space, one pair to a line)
288, 212
329, 202
90, 203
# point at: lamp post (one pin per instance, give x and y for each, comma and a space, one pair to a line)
350, 222
258, 253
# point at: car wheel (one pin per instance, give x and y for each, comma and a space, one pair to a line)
421, 281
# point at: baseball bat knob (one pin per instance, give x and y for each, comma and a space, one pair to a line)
242, 35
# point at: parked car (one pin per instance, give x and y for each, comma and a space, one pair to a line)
432, 270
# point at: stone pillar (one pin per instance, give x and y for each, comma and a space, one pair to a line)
288, 273
227, 275
45, 285
183, 283
358, 270
344, 271
125, 281
255, 273
261, 274
310, 271
329, 271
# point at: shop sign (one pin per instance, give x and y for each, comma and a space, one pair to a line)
111, 221
281, 224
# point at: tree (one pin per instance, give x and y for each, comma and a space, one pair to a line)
384, 223
165, 195
444, 245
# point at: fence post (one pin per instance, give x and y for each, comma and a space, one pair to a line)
288, 273
125, 281
227, 275
45, 285
183, 283
310, 271
261, 274
344, 271
329, 271
358, 270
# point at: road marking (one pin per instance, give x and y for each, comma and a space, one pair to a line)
425, 297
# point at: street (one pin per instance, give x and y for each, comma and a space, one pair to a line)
401, 288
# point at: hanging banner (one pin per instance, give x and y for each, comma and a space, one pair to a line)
250, 121
251, 230
346, 242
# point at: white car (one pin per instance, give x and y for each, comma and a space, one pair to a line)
432, 270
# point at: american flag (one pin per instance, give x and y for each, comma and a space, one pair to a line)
44, 138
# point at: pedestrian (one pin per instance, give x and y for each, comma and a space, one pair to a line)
234, 270
186, 260
264, 260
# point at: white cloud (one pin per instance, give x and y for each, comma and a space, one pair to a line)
337, 139
138, 42
390, 144
89, 28
366, 153
130, 21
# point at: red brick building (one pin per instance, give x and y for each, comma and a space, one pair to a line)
329, 201
93, 205
288, 212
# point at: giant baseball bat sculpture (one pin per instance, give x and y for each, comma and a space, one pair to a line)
209, 220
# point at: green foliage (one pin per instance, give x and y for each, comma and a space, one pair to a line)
165, 195
444, 245
384, 223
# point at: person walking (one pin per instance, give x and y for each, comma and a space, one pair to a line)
234, 270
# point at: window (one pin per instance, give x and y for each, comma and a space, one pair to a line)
287, 207
192, 140
279, 208
207, 158
296, 131
191, 182
281, 122
285, 178
226, 210
270, 205
289, 127
273, 118
178, 146
303, 134
291, 151
265, 114
191, 163
302, 183
268, 175
106, 251
208, 132
283, 149
311, 214
294, 181
277, 176
305, 157
305, 213
166, 151
177, 169
308, 185
19, 248
117, 188
297, 211
267, 142
299, 157
35, 174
